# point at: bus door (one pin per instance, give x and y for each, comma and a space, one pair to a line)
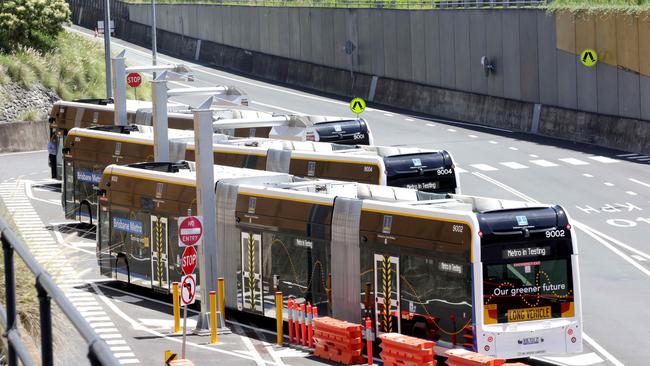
159, 250
68, 191
251, 257
387, 290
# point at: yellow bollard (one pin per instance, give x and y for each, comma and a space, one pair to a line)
278, 316
177, 308
222, 298
214, 338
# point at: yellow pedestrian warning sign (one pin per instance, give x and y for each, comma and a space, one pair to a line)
357, 105
589, 57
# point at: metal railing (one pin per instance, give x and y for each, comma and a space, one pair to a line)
373, 4
47, 290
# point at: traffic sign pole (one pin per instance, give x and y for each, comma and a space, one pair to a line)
184, 331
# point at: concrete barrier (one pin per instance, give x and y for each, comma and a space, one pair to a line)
23, 136
500, 111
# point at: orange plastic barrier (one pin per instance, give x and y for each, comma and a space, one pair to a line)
181, 362
338, 341
401, 350
461, 357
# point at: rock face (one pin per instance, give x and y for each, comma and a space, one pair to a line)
15, 100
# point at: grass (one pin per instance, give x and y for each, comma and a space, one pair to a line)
74, 70
31, 115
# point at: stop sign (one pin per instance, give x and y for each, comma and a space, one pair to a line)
190, 230
134, 79
188, 260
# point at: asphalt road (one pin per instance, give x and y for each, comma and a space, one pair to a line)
607, 194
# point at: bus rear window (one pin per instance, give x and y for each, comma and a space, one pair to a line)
528, 288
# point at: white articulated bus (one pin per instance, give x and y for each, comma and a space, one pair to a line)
494, 276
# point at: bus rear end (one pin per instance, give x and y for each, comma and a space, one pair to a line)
431, 171
530, 287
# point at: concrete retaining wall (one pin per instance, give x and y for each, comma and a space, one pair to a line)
23, 136
426, 61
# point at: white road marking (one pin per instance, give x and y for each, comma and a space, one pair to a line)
514, 165
631, 193
639, 182
600, 349
513, 148
473, 136
22, 153
120, 348
574, 161
585, 359
587, 175
128, 361
409, 119
493, 142
543, 163
484, 167
626, 155
638, 157
533, 156
106, 330
276, 107
604, 159
638, 257
461, 170
124, 354
451, 130
609, 184
111, 342
253, 351
431, 125
388, 114
110, 336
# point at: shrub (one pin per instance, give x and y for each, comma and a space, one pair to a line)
31, 23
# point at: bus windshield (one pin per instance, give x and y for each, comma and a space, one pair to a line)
528, 287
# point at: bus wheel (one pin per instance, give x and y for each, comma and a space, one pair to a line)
85, 208
122, 271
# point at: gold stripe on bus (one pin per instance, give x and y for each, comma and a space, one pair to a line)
153, 179
191, 148
103, 137
286, 198
335, 161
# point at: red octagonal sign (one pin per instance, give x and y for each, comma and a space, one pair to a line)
190, 230
188, 260
134, 79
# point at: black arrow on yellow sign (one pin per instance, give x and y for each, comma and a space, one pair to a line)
588, 55
169, 357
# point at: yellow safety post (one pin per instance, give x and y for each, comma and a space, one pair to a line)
278, 316
214, 338
222, 298
177, 308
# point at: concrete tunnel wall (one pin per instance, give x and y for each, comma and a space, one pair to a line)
426, 61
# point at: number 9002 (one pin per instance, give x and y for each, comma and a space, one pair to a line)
555, 234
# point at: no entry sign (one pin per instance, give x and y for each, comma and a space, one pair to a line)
190, 230
188, 289
134, 79
189, 260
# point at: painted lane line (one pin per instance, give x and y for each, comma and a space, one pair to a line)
584, 359
587, 175
639, 258
513, 148
639, 182
493, 142
473, 136
137, 326
120, 348
574, 161
257, 357
461, 170
110, 336
277, 107
431, 125
484, 167
609, 184
128, 362
451, 130
543, 163
514, 165
604, 159
601, 350
617, 242
106, 330
631, 193
409, 119
388, 114
124, 354
22, 153
112, 342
